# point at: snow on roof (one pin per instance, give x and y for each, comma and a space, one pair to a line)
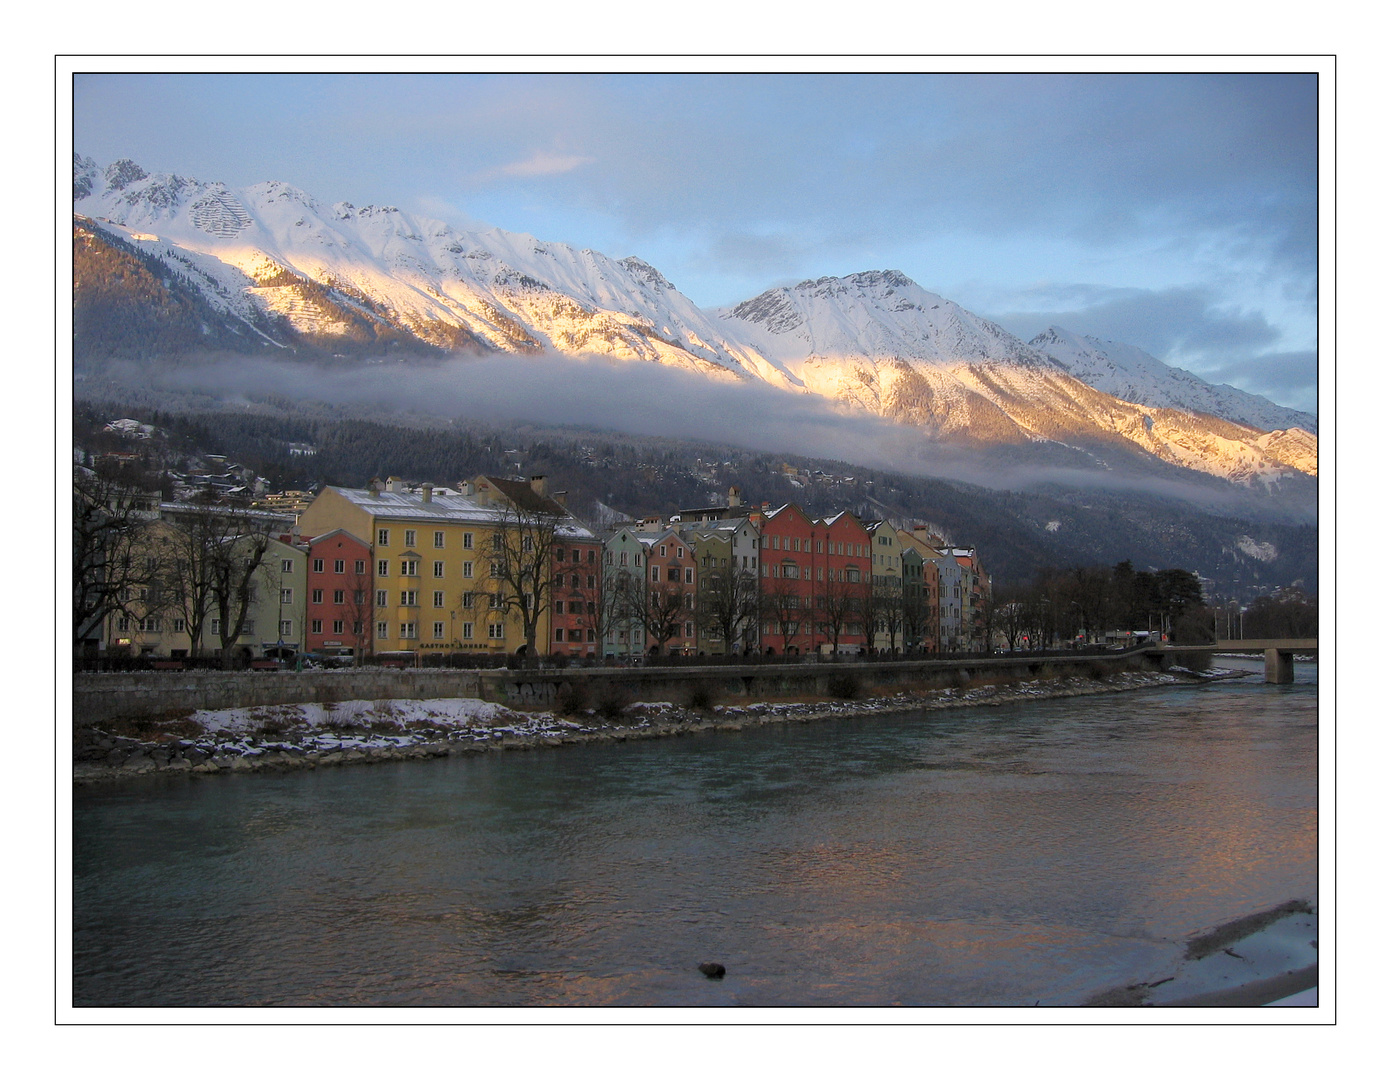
445, 507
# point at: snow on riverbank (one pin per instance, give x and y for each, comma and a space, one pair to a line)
349, 732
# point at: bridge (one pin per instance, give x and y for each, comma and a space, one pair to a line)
1279, 653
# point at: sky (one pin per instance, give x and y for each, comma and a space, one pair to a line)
1177, 213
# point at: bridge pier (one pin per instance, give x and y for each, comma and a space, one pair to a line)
1279, 666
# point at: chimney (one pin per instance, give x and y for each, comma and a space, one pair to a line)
427, 492
393, 484
375, 487
734, 499
466, 488
560, 497
538, 484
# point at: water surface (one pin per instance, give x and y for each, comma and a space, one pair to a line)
987, 856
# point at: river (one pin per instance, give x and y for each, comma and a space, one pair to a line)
1009, 855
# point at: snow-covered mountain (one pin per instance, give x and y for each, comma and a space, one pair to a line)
269, 266
880, 341
1132, 374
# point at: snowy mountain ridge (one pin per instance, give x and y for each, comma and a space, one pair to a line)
271, 255
1134, 375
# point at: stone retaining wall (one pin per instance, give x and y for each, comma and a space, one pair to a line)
101, 697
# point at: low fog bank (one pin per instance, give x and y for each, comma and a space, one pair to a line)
645, 399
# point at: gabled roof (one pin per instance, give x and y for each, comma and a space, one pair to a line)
334, 532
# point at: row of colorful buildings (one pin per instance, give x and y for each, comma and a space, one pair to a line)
499, 565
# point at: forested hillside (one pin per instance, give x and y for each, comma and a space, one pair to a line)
1018, 534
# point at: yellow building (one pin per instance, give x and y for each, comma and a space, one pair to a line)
437, 561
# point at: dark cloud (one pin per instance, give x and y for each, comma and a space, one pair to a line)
1163, 322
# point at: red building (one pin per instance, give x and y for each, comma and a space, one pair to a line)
787, 581
574, 592
844, 601
338, 611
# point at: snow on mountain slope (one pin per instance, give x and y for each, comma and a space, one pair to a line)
1133, 375
879, 341
876, 341
281, 249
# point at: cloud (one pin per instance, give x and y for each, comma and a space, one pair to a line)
540, 163
645, 400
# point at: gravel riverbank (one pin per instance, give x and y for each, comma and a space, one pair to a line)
287, 737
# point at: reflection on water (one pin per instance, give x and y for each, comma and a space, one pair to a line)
1035, 852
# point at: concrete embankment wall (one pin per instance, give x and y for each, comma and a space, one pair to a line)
101, 697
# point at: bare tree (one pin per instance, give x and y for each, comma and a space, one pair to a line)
236, 571
113, 558
357, 609
607, 607
781, 603
189, 548
660, 609
522, 554
840, 603
886, 610
729, 604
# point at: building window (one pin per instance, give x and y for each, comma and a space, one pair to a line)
466, 632
287, 566
410, 567
663, 551
382, 568
381, 598
337, 626
495, 630
287, 596
318, 566
316, 596
338, 566
439, 631
410, 538
589, 581
179, 626
150, 624
338, 596
408, 598
287, 628
690, 575
439, 598
468, 569
439, 538
381, 630
466, 601
408, 631
214, 628
316, 626
360, 566
383, 538
495, 569
439, 568
656, 573
468, 541
559, 634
